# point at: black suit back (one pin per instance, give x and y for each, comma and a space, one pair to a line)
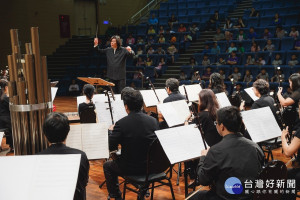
134, 133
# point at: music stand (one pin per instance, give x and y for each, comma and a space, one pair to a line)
96, 81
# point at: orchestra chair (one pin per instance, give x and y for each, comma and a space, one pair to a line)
88, 115
158, 170
276, 170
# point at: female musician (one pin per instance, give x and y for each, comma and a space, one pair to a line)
291, 115
261, 90
216, 83
86, 110
207, 110
289, 151
5, 121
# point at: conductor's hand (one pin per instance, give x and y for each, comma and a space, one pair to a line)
128, 48
279, 90
111, 128
284, 132
96, 42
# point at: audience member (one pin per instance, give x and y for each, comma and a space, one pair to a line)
130, 40
222, 74
236, 75
161, 39
254, 13
263, 75
255, 47
231, 48
213, 22
182, 76
194, 30
195, 77
206, 49
241, 36
294, 33
250, 60
233, 59
228, 36
140, 40
297, 45
267, 35
248, 76
260, 61
139, 52
294, 61
160, 51
215, 49
158, 68
140, 62
172, 51
151, 30
193, 62
206, 74
138, 74
278, 77
276, 20
219, 36
74, 89
150, 51
240, 23
205, 61
269, 47
173, 39
161, 30
181, 28
149, 62
56, 128
153, 20
172, 21
228, 24
221, 61
280, 33
252, 34
277, 61
241, 49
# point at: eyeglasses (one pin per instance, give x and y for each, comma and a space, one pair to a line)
215, 123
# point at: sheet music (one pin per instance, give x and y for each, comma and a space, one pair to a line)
223, 100
53, 92
175, 113
149, 97
250, 92
36, 177
95, 140
91, 138
261, 124
162, 94
118, 108
1, 137
192, 91
181, 143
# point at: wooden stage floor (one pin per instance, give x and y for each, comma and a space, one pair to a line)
68, 104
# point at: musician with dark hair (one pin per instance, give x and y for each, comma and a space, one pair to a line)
227, 159
261, 90
86, 110
5, 121
216, 83
116, 61
172, 87
56, 128
134, 133
290, 115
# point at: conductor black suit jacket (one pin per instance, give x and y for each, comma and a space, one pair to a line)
83, 176
116, 62
134, 133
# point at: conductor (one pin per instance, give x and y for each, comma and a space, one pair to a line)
116, 61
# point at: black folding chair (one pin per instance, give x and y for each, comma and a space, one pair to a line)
158, 170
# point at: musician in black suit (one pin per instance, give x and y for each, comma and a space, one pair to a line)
227, 159
172, 87
261, 90
116, 61
216, 83
56, 128
134, 133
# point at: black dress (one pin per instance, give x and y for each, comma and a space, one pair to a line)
87, 113
5, 121
211, 134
